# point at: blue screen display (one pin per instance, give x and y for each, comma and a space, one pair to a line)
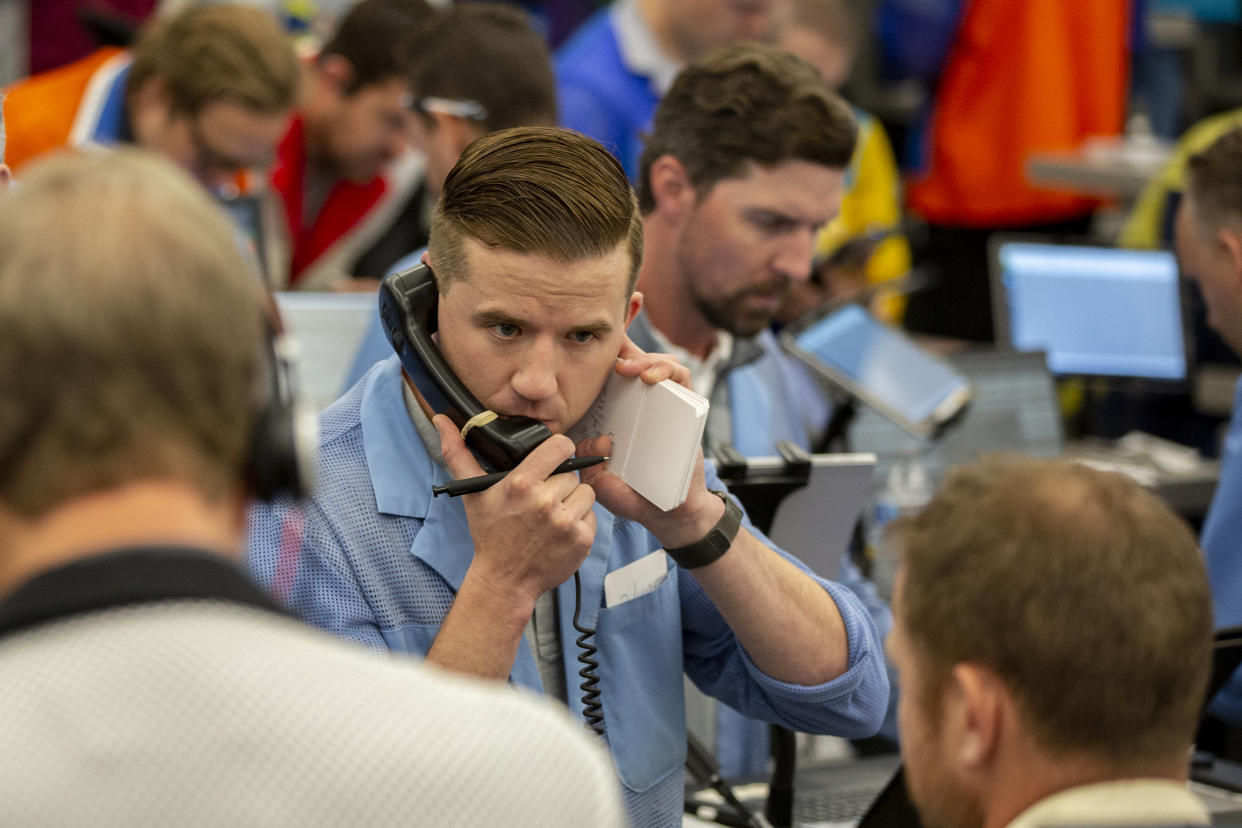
1095, 310
892, 368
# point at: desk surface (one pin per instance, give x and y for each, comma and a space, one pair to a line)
1100, 168
1186, 484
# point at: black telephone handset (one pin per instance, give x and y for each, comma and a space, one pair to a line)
408, 301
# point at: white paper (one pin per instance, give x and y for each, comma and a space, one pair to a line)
655, 431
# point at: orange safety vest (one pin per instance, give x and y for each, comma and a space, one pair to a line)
44, 112
1023, 76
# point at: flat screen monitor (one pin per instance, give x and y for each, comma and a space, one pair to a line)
328, 328
880, 366
246, 213
1014, 408
1095, 311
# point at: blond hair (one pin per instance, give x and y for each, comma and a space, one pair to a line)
133, 333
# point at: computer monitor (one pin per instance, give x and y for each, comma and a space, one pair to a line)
1095, 311
246, 213
328, 328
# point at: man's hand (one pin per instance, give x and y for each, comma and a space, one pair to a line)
688, 523
633, 361
701, 509
531, 532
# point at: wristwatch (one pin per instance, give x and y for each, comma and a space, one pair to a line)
718, 540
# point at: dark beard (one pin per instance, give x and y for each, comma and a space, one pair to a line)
727, 316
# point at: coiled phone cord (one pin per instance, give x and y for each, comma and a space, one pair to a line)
592, 710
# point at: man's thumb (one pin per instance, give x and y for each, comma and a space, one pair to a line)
457, 456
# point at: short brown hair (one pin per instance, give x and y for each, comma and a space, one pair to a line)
133, 333
218, 53
1214, 181
377, 37
544, 190
741, 105
487, 53
1079, 589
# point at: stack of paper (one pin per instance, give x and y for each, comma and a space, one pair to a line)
655, 430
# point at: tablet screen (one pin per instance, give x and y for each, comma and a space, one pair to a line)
882, 362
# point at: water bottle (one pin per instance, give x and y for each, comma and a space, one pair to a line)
906, 490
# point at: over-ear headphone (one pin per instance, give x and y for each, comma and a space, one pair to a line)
286, 435
283, 444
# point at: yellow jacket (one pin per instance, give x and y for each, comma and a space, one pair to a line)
1145, 226
872, 202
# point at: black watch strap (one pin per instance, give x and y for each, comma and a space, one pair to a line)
718, 540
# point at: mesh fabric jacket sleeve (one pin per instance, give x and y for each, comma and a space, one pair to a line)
336, 560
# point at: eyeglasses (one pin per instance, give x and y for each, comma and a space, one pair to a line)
208, 158
457, 107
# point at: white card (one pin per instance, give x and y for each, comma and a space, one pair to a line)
636, 579
655, 430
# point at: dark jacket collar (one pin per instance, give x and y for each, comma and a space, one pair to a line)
134, 575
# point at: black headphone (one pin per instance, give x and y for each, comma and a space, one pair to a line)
285, 441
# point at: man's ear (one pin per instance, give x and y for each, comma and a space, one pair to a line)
336, 72
1230, 241
671, 188
975, 702
6, 175
635, 304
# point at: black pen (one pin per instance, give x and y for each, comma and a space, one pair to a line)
471, 485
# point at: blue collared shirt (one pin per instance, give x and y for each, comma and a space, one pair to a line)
763, 396
374, 557
1222, 547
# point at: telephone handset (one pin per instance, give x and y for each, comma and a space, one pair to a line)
408, 301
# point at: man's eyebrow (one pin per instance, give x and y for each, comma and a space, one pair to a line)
488, 318
494, 316
598, 328
784, 216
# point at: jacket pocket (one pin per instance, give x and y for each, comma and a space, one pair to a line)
640, 655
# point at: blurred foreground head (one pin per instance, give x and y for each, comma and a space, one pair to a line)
133, 334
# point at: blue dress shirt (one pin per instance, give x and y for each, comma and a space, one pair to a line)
374, 557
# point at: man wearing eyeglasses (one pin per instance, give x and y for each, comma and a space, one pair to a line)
345, 170
478, 68
210, 88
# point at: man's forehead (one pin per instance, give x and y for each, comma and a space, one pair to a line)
604, 272
791, 181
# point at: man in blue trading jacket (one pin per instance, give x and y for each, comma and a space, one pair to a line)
613, 71
744, 165
536, 242
1209, 247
